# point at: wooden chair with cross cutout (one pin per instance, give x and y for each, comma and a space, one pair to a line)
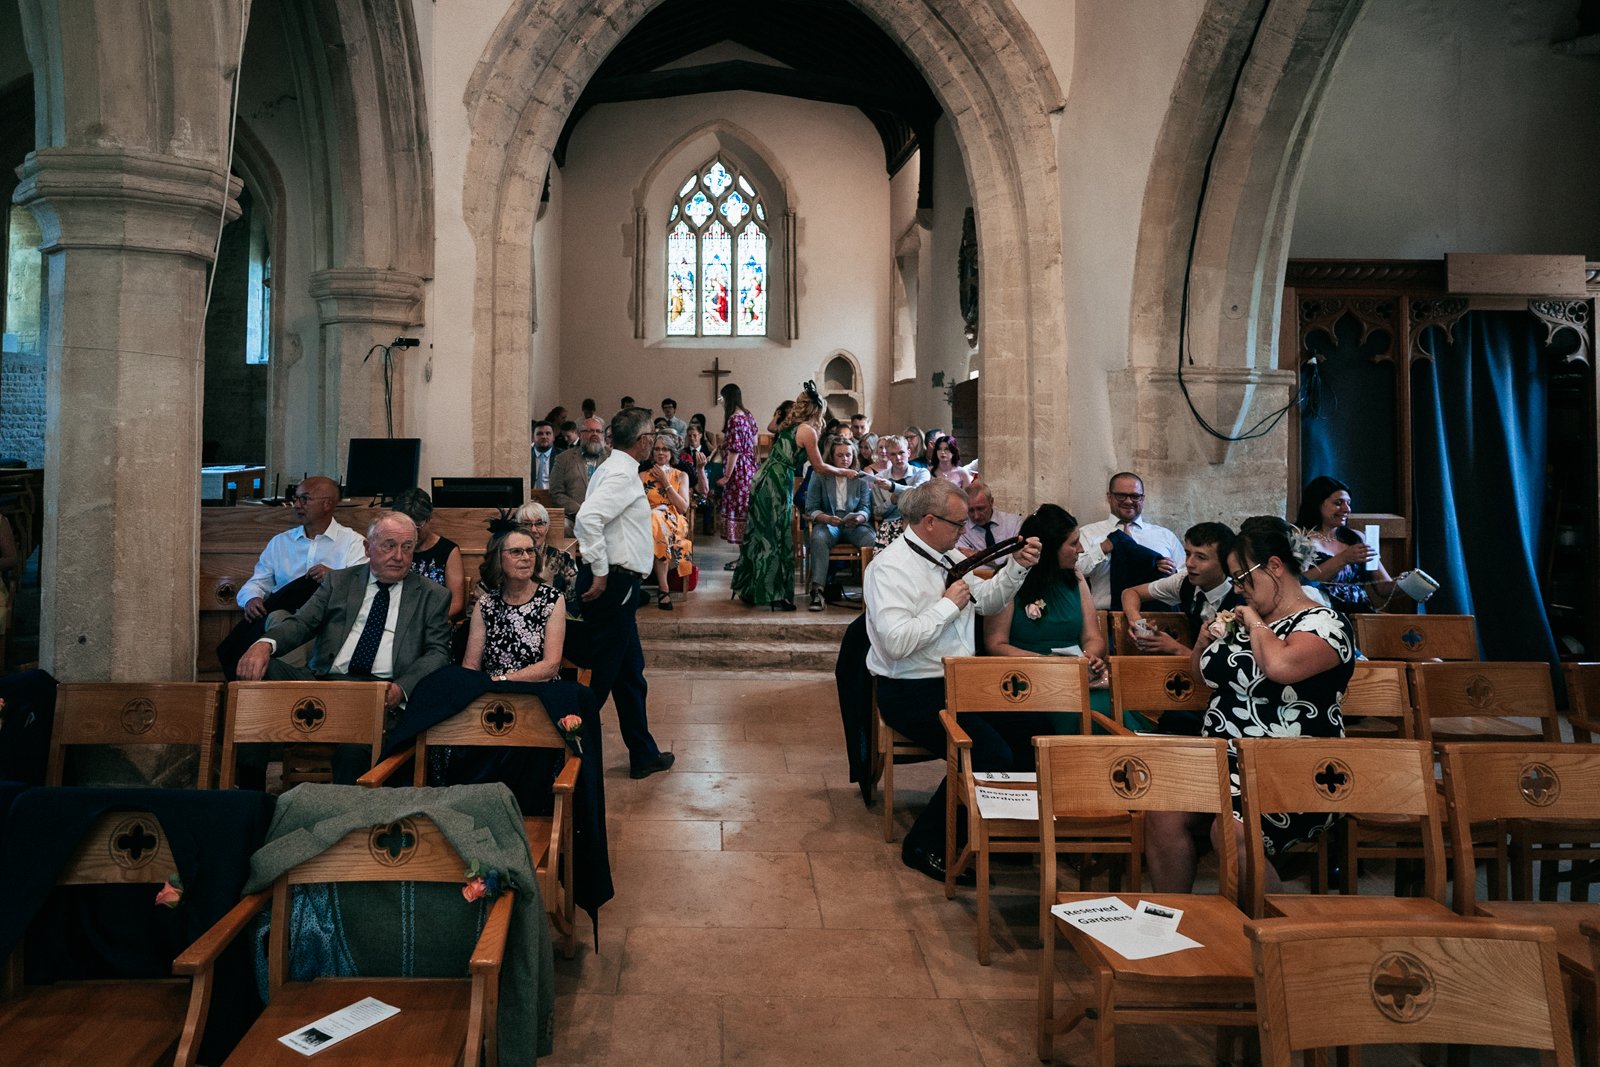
1001, 685
889, 749
441, 1020
512, 720
1417, 638
297, 715
1154, 687
1530, 783
1564, 858
133, 714
1207, 985
1323, 984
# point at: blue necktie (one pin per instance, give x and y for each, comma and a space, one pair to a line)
366, 652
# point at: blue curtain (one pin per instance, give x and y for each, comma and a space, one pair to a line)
1479, 416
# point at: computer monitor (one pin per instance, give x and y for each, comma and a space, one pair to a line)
477, 492
382, 466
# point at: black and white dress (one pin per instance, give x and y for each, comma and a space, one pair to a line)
1246, 703
513, 635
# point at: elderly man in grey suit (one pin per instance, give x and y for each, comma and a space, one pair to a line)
569, 477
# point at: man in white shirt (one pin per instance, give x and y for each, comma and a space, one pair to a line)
1125, 497
544, 454
614, 539
914, 620
985, 526
309, 551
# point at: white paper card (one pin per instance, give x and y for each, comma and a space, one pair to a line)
1118, 927
1374, 532
1068, 650
996, 803
1156, 920
332, 1029
1005, 776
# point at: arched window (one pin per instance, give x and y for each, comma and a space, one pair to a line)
717, 255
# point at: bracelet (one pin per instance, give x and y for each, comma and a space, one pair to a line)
1259, 626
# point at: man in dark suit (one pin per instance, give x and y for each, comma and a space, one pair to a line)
378, 619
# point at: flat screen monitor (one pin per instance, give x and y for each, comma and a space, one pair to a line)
477, 492
382, 466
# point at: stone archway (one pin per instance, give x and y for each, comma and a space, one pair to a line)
1256, 71
987, 71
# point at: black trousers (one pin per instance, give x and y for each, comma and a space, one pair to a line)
607, 642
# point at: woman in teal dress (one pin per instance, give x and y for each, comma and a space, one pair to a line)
1047, 615
765, 574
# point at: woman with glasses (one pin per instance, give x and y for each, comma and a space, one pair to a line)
667, 490
437, 558
1277, 668
557, 568
516, 630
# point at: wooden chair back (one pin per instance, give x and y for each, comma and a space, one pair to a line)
300, 713
1583, 699
494, 720
1154, 685
1082, 776
1529, 781
1380, 689
1016, 683
1342, 775
1174, 623
1322, 984
1484, 691
1417, 638
149, 713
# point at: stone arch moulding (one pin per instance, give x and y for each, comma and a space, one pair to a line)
253, 163
990, 75
840, 376
1282, 53
650, 197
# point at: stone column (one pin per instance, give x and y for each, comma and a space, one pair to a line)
127, 238
361, 307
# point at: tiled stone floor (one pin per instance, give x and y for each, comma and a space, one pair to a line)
760, 918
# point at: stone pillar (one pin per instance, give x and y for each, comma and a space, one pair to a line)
361, 307
127, 237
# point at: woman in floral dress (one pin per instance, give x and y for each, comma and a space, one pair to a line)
1277, 668
667, 489
739, 434
516, 632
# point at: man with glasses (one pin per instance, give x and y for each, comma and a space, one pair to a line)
915, 617
293, 565
569, 478
1126, 526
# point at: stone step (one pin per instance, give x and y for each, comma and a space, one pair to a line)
828, 626
759, 656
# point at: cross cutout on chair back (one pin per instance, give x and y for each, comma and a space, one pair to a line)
1130, 777
138, 716
133, 843
393, 845
1539, 785
1178, 686
1402, 987
1413, 638
308, 715
1335, 778
1014, 687
498, 719
1480, 693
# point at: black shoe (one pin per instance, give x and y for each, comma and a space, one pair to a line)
932, 865
816, 600
732, 564
784, 605
662, 762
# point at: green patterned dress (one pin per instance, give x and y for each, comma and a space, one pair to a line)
766, 557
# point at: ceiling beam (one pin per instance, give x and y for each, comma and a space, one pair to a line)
741, 74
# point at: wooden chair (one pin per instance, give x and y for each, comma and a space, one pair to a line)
1379, 700
1528, 782
441, 1020
300, 714
1173, 623
1578, 847
104, 1022
1341, 776
512, 720
856, 556
1152, 686
1000, 685
892, 748
1417, 638
148, 713
1209, 985
1328, 983
1484, 702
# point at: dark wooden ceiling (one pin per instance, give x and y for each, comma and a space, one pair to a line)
831, 52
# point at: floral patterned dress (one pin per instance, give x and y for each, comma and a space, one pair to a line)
739, 442
1246, 703
670, 529
560, 571
765, 572
513, 635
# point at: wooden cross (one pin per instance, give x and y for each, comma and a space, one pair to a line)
716, 374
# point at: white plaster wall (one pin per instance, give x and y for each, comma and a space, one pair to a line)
1126, 58
1450, 126
834, 162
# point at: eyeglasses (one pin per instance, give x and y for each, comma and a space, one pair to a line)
518, 553
1130, 497
960, 525
305, 498
1238, 580
539, 524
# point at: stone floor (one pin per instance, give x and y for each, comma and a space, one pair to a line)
760, 918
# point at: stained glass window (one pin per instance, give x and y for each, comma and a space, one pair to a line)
717, 255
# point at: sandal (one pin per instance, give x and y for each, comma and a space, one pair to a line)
664, 601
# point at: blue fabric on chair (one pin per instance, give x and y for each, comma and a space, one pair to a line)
1131, 564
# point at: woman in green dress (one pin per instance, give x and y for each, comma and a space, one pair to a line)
765, 574
1047, 616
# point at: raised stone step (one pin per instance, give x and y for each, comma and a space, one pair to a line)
788, 655
677, 625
